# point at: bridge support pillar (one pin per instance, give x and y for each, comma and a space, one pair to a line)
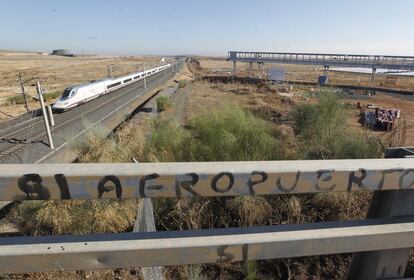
385, 264
374, 71
234, 68
250, 69
326, 70
260, 67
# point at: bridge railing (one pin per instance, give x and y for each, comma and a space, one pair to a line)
385, 238
326, 59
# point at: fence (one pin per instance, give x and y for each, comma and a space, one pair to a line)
383, 240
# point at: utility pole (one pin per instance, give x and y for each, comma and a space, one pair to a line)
109, 67
45, 118
51, 118
145, 80
165, 73
23, 93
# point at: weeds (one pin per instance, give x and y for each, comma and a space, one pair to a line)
231, 133
15, 100
182, 83
163, 103
19, 99
75, 216
121, 147
224, 133
51, 95
323, 132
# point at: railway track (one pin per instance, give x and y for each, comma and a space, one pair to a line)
15, 135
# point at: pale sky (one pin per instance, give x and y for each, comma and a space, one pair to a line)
213, 27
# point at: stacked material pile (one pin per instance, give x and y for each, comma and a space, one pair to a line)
381, 119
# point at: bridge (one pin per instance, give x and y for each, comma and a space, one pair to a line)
325, 60
381, 243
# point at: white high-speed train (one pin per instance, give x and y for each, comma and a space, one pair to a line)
76, 95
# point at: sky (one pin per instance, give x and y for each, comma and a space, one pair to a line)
209, 27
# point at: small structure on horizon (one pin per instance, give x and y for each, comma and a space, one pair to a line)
68, 53
63, 52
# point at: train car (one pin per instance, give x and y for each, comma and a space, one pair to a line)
76, 95
79, 94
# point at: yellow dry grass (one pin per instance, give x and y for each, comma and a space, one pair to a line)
57, 72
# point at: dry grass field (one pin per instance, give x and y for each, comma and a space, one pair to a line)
55, 73
307, 73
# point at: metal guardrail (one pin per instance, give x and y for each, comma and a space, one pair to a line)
385, 238
128, 180
326, 59
37, 254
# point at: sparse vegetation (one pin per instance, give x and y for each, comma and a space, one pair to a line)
323, 132
163, 103
75, 216
18, 99
120, 147
15, 100
227, 132
51, 95
182, 83
221, 134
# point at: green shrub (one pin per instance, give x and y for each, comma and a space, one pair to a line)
323, 132
226, 133
14, 100
51, 95
182, 83
167, 142
251, 270
163, 103
19, 99
230, 133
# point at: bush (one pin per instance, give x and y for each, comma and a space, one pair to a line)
163, 103
19, 99
182, 83
231, 133
15, 99
51, 95
227, 133
167, 142
323, 132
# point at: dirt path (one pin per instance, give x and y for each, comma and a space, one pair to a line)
180, 100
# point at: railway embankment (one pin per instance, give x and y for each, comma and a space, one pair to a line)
25, 142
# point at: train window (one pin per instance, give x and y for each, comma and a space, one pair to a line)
113, 85
127, 80
66, 93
